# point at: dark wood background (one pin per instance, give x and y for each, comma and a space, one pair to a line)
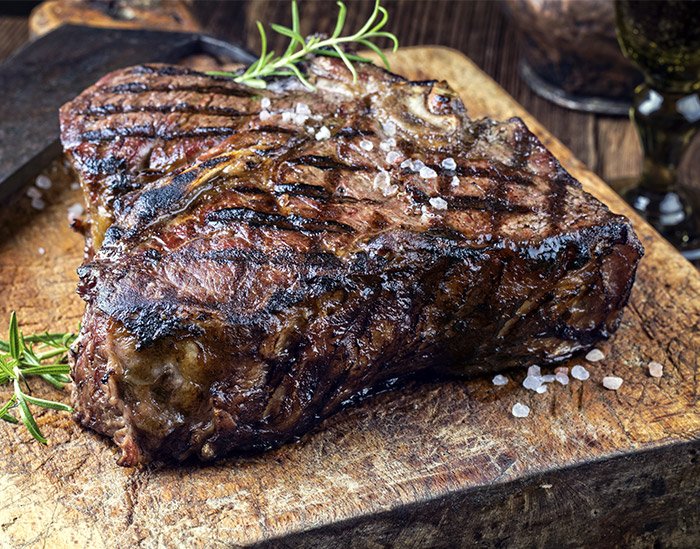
478, 28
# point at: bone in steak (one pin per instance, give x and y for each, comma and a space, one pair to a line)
257, 259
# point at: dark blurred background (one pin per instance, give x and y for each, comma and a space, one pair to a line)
479, 29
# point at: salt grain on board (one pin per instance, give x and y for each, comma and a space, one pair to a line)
520, 410
366, 145
534, 370
532, 382
595, 355
541, 389
580, 373
75, 211
655, 369
612, 382
562, 378
38, 204
265, 115
41, 251
33, 192
455, 181
499, 380
43, 182
265, 103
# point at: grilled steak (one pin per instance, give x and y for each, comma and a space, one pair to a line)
260, 258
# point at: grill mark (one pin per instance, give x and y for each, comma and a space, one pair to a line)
168, 70
555, 200
302, 189
143, 87
276, 221
148, 132
186, 108
325, 163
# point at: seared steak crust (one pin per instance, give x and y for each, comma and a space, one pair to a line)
272, 254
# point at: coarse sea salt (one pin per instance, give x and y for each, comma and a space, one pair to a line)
426, 215
520, 410
532, 382
38, 204
562, 378
41, 251
418, 165
534, 370
541, 389
366, 145
392, 156
302, 108
33, 192
612, 382
427, 173
580, 373
438, 203
389, 128
548, 378
75, 211
655, 369
449, 163
265, 103
454, 181
43, 182
323, 133
265, 115
499, 380
387, 144
595, 355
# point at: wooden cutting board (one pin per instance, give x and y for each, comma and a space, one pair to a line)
442, 464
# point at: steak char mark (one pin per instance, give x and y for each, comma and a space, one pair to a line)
258, 258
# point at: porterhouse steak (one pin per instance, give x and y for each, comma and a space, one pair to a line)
257, 258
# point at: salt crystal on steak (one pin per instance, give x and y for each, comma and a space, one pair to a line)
449, 163
438, 203
426, 172
323, 133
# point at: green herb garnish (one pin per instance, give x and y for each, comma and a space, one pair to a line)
270, 64
41, 355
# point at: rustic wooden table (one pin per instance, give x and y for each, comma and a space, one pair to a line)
437, 465
607, 145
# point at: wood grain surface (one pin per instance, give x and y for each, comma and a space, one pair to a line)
439, 464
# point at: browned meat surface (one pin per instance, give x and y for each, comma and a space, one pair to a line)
296, 249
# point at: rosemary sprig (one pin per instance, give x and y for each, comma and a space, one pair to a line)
41, 355
270, 64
